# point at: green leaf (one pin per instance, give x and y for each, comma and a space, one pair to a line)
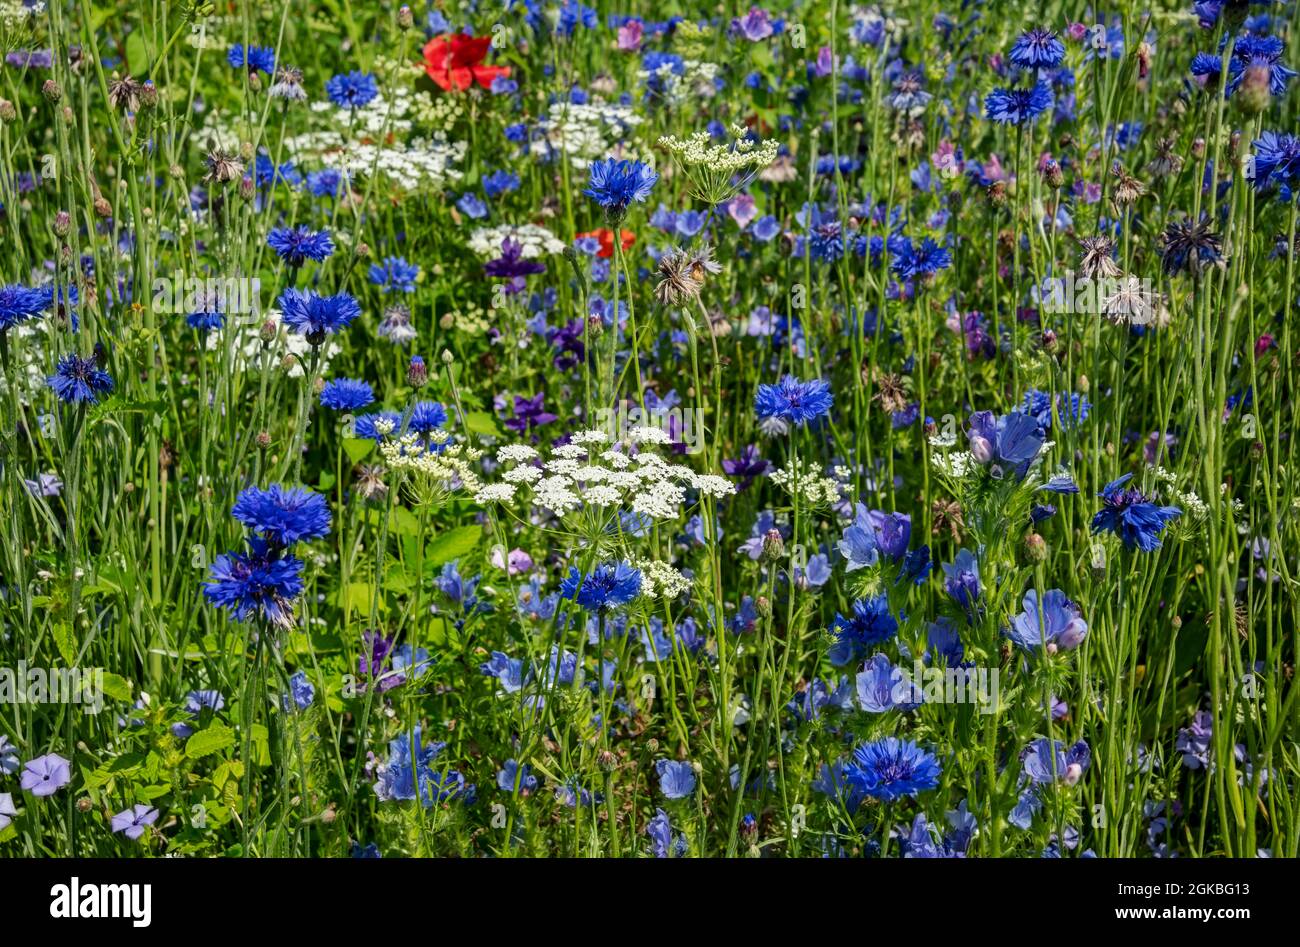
137, 55
66, 642
452, 544
357, 448
216, 738
482, 423
116, 686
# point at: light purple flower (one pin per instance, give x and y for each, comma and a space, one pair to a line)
132, 821
7, 810
46, 775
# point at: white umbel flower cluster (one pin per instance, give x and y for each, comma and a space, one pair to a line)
536, 241
813, 488
660, 580
433, 460
588, 473
719, 172
583, 133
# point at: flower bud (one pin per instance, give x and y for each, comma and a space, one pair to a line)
50, 89
263, 440
405, 19
62, 223
268, 331
7, 111
773, 546
1036, 548
417, 373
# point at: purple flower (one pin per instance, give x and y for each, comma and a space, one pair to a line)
131, 822
676, 779
529, 413
512, 266
1043, 763
747, 466
46, 775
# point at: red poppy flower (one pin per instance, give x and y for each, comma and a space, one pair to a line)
456, 60
606, 238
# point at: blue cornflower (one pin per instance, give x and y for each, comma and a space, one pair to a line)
394, 274
676, 779
1037, 49
1131, 516
296, 245
326, 182
19, 303
77, 380
315, 316
922, 261
260, 584
609, 585
1007, 445
1277, 160
614, 184
257, 58
301, 692
1251, 51
891, 768
205, 321
427, 417
283, 515
1018, 106
1057, 626
346, 394
352, 90
882, 687
793, 400
870, 624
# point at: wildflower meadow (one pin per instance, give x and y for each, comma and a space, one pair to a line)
606, 429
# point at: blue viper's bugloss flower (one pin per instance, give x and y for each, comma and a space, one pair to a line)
871, 623
962, 580
676, 779
296, 245
301, 691
858, 544
346, 394
352, 90
1006, 445
1131, 516
394, 274
283, 515
891, 768
316, 316
257, 58
1057, 625
609, 585
1037, 49
1277, 161
793, 400
1018, 106
1045, 762
512, 771
615, 184
77, 380
19, 303
260, 584
882, 687
662, 841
